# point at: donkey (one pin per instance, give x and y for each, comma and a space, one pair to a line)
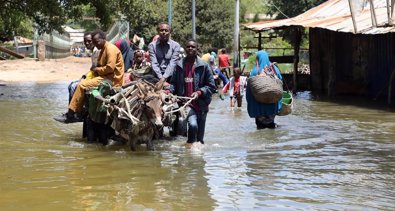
136, 113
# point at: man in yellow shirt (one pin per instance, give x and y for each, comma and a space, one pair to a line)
95, 55
109, 66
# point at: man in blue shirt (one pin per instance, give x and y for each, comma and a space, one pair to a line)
164, 54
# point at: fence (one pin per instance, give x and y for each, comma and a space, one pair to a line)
56, 45
284, 56
284, 52
59, 46
119, 30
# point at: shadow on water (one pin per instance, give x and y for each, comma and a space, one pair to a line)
326, 155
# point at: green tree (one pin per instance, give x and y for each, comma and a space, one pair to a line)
287, 8
89, 22
48, 15
51, 15
214, 22
143, 16
253, 6
14, 23
214, 19
105, 10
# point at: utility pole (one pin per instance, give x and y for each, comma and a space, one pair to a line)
193, 20
236, 57
169, 12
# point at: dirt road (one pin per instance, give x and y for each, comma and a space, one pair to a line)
48, 71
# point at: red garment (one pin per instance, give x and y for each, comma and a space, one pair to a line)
236, 89
223, 60
226, 88
147, 57
126, 78
189, 71
188, 79
118, 43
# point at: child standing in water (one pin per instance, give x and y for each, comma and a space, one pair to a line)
236, 85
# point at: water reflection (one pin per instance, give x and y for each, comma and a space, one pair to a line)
325, 156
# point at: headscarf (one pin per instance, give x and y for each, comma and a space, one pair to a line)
126, 51
213, 54
255, 109
262, 59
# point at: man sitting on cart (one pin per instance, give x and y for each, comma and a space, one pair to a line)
109, 66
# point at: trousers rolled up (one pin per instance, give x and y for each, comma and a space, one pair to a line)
77, 102
196, 126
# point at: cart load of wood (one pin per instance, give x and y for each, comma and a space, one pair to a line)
138, 112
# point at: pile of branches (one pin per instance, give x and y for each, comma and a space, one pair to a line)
138, 112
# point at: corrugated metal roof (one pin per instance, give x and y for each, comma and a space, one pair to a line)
334, 15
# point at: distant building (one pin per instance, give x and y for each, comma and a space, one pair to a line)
77, 38
76, 35
347, 55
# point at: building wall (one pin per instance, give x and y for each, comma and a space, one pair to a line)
344, 63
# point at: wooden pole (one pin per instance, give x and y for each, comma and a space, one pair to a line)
352, 16
298, 39
12, 53
392, 10
373, 13
390, 87
260, 41
388, 11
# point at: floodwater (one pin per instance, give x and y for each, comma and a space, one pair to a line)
324, 156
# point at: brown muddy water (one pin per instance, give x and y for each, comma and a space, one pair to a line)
325, 156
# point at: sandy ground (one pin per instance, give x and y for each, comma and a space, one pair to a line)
48, 71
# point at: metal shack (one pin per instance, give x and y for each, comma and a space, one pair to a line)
351, 46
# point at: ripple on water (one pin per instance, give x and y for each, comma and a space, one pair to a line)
324, 156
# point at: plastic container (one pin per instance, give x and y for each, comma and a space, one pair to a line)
287, 102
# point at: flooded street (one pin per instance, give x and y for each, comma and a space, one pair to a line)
324, 156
